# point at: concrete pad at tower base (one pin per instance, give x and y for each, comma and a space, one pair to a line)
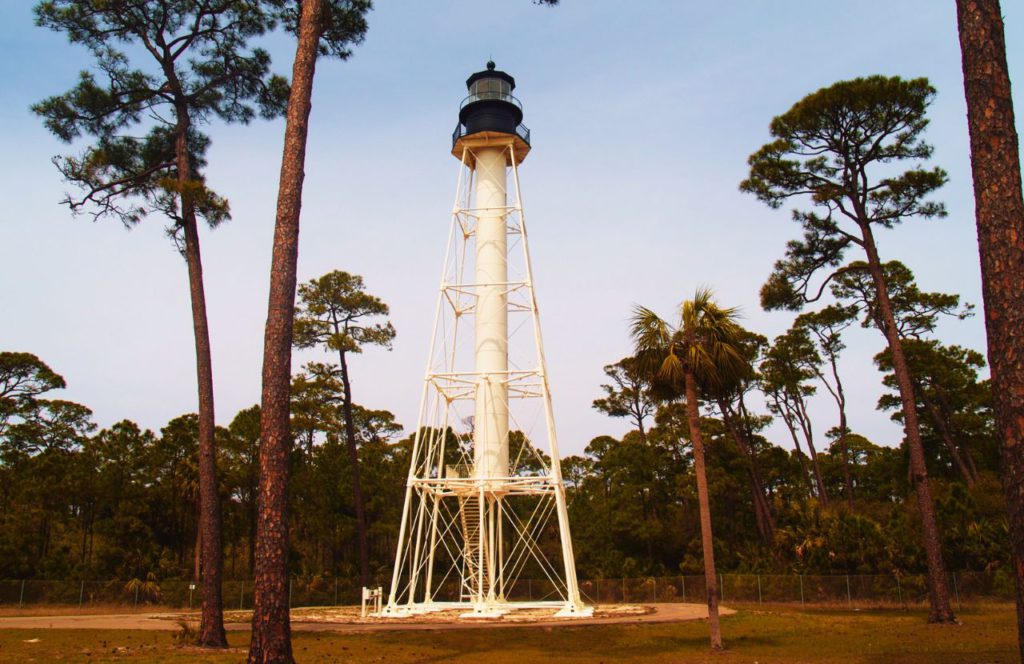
498, 614
483, 612
346, 619
570, 611
567, 611
407, 611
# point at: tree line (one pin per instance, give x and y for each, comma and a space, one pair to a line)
147, 157
120, 502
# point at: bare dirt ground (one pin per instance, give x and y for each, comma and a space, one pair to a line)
50, 610
346, 619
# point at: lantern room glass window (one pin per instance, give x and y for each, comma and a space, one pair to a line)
490, 88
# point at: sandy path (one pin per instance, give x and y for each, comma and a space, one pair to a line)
161, 621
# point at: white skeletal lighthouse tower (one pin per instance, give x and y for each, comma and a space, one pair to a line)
485, 525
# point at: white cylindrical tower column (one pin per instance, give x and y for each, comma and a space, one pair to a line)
490, 432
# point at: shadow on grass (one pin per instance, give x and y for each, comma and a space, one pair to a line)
597, 643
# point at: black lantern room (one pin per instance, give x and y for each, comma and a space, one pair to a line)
490, 107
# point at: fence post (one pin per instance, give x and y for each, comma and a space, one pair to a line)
21, 597
529, 588
137, 595
758, 589
956, 590
624, 590
291, 591
899, 590
241, 596
81, 595
335, 591
654, 589
849, 598
682, 580
721, 587
801, 577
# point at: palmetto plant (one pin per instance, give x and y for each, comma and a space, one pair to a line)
148, 590
703, 350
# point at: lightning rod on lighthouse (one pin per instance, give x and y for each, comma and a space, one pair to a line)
484, 525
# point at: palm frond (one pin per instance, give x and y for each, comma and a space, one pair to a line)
672, 369
707, 343
648, 330
714, 351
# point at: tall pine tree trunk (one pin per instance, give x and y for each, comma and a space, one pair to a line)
940, 610
253, 520
197, 555
357, 487
704, 503
787, 417
81, 557
762, 512
638, 409
995, 160
271, 630
641, 431
804, 420
211, 624
840, 397
942, 426
844, 446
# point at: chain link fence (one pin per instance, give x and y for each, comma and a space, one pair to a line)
854, 591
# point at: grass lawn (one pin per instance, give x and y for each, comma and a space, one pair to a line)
764, 635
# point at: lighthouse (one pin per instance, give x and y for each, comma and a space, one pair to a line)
484, 526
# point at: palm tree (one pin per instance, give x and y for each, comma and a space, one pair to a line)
702, 350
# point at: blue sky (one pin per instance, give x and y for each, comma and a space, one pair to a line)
643, 116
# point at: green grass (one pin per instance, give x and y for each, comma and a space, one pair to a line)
766, 635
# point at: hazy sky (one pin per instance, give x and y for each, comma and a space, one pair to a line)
643, 115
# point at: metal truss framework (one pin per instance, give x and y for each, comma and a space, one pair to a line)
465, 538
